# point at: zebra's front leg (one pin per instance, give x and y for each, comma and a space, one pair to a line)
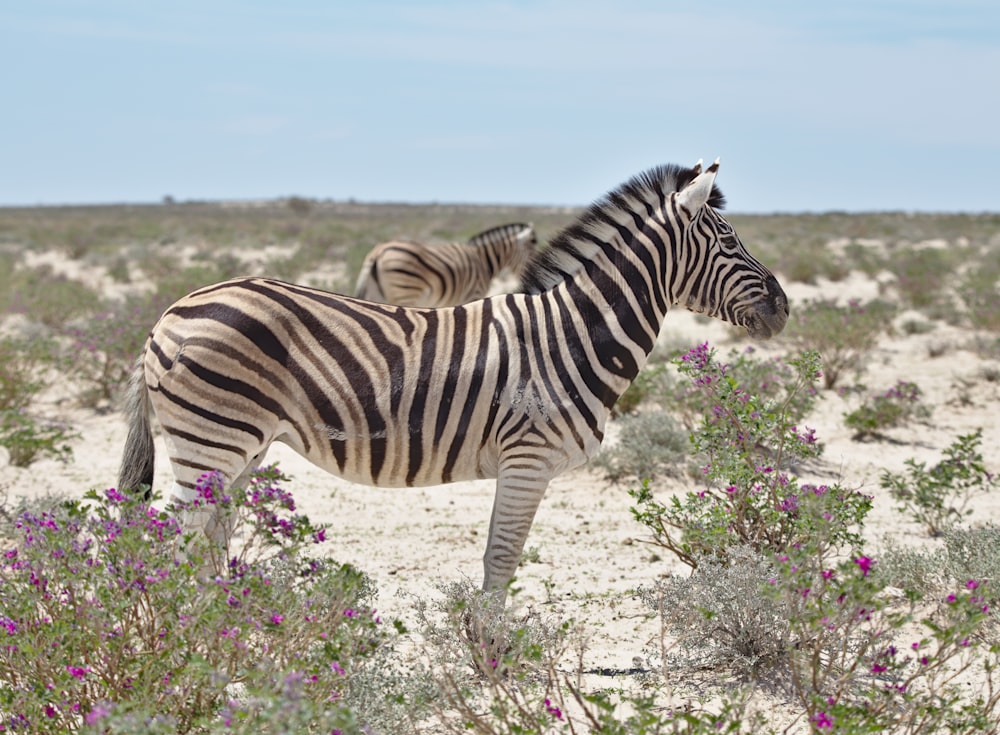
517, 498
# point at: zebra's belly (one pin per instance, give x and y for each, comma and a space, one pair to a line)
395, 461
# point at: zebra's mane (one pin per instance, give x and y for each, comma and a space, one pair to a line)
599, 223
487, 236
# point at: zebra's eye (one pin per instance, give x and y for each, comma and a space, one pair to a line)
729, 242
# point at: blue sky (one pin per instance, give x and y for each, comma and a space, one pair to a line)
853, 105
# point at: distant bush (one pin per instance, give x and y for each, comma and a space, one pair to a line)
966, 553
104, 347
652, 384
843, 335
894, 407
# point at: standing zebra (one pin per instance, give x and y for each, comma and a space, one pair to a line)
516, 387
412, 274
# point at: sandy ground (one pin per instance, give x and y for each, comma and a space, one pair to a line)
588, 551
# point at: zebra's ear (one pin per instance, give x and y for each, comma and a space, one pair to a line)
695, 195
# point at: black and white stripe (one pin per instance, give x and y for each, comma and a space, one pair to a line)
413, 274
516, 387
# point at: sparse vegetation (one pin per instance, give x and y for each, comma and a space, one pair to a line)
107, 627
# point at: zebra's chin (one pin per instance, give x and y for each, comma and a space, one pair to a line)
761, 326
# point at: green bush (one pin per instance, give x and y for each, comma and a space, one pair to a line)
842, 335
772, 379
894, 407
938, 497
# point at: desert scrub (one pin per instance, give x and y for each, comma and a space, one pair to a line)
22, 367
49, 299
749, 499
103, 347
843, 335
922, 275
110, 620
891, 408
719, 617
938, 497
504, 672
964, 553
815, 624
650, 444
979, 288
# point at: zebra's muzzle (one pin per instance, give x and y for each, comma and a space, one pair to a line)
770, 314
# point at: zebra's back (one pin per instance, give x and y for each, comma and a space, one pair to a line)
448, 274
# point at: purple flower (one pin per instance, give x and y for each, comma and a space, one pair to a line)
864, 564
553, 710
822, 720
78, 672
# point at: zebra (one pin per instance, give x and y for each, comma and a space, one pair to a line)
515, 387
413, 274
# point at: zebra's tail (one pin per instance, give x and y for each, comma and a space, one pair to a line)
136, 470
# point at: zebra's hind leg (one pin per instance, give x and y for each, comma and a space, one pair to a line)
199, 497
519, 492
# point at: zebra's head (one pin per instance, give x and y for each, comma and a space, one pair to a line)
719, 277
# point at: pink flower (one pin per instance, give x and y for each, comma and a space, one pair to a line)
864, 564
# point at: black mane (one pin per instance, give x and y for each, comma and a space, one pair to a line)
575, 244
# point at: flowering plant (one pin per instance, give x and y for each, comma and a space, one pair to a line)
749, 499
108, 618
